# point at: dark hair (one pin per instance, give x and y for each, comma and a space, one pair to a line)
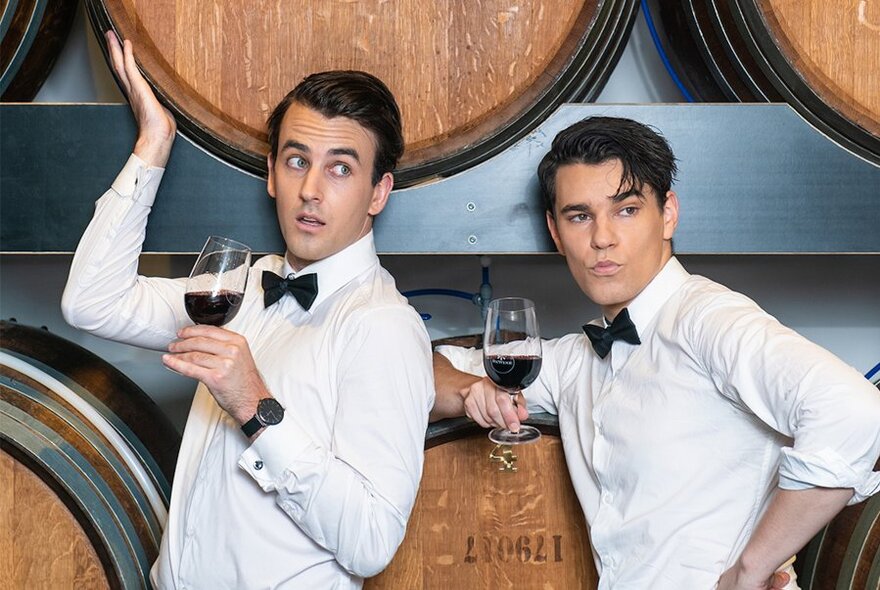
644, 154
356, 95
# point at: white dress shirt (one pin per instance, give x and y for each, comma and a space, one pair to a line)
320, 500
675, 445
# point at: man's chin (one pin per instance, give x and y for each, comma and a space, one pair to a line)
604, 298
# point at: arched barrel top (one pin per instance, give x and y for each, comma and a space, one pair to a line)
471, 77
32, 34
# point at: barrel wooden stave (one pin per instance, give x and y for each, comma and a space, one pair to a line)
835, 53
474, 526
54, 552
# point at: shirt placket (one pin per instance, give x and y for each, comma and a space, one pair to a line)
196, 513
606, 518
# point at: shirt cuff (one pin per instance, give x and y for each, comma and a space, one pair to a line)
134, 178
825, 469
269, 460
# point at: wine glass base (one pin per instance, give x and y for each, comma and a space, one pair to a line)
526, 434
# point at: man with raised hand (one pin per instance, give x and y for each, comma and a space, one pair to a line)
303, 449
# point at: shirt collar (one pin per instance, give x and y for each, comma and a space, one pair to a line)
339, 269
645, 306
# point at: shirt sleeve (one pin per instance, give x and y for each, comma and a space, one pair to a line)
539, 397
801, 390
354, 498
104, 294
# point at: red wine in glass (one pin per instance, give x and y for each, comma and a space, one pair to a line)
513, 372
512, 356
215, 288
214, 309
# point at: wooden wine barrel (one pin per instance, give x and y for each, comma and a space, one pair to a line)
86, 460
823, 58
846, 554
32, 34
477, 526
471, 77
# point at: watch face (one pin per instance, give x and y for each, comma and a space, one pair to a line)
269, 411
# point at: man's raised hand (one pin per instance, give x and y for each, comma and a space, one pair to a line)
156, 125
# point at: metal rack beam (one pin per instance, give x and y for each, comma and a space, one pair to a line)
754, 178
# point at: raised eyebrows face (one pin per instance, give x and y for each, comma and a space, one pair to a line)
321, 179
615, 240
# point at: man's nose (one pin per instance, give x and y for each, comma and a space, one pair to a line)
311, 186
603, 235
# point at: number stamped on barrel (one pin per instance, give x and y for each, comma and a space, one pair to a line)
524, 548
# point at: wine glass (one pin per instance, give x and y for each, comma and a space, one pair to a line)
512, 356
215, 288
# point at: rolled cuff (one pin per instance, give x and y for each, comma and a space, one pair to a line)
469, 360
825, 469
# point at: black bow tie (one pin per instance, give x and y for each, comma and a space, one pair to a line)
621, 328
304, 288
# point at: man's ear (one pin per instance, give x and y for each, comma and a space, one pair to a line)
554, 233
270, 183
670, 215
380, 194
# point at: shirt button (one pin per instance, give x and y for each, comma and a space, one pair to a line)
607, 497
258, 465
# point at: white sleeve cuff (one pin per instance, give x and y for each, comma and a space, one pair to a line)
135, 177
825, 469
269, 460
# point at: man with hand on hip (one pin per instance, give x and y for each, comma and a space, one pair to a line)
303, 449
707, 443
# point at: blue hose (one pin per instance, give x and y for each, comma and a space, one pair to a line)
447, 292
873, 371
684, 91
472, 297
480, 298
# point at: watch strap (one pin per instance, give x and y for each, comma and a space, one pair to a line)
251, 427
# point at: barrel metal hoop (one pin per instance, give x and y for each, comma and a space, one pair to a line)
797, 92
160, 482
65, 465
106, 429
24, 44
874, 573
809, 558
858, 543
7, 17
132, 487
